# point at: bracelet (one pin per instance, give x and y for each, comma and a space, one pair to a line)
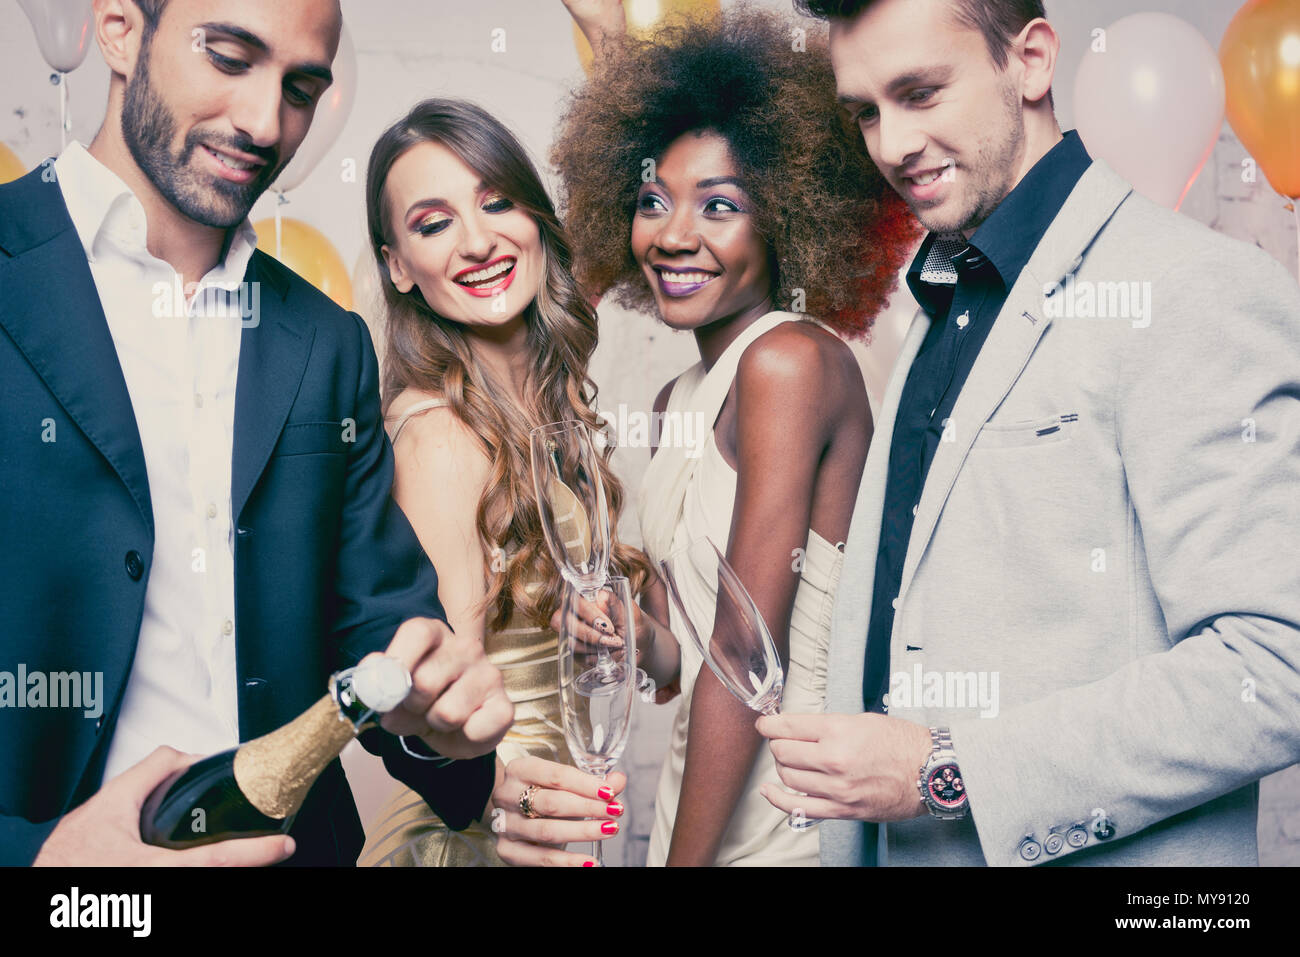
423, 757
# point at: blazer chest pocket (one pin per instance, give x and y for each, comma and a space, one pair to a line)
1034, 433
312, 438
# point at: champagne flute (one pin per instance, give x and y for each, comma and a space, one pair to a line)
575, 516
597, 712
738, 647
571, 501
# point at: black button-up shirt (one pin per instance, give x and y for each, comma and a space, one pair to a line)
960, 318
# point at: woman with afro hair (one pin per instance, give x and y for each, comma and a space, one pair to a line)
706, 174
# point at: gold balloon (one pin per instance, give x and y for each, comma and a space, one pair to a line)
1261, 70
644, 17
306, 251
11, 167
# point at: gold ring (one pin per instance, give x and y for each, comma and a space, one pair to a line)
526, 802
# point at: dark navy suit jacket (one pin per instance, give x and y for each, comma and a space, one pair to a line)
326, 566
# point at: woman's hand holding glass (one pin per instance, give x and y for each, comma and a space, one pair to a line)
562, 802
601, 622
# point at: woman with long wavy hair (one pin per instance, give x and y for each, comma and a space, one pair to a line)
487, 337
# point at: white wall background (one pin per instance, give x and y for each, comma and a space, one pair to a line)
411, 49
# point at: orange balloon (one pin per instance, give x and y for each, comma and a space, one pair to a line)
644, 17
1260, 54
11, 167
306, 251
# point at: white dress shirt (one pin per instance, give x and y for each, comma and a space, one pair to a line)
180, 358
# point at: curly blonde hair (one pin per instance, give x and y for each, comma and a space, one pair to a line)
834, 227
429, 352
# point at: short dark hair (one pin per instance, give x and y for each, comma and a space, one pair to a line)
998, 20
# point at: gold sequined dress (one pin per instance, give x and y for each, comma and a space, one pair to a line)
406, 833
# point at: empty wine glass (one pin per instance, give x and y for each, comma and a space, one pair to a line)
571, 500
736, 645
575, 517
597, 701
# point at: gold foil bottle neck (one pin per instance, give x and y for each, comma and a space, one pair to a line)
276, 771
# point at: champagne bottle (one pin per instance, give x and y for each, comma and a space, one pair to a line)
258, 787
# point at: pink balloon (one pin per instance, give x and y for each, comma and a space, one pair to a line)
331, 116
63, 30
1149, 100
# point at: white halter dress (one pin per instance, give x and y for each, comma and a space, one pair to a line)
688, 492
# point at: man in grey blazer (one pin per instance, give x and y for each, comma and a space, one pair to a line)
1066, 627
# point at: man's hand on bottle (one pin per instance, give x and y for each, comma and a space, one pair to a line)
106, 829
458, 704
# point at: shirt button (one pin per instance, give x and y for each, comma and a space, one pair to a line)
894, 604
914, 508
198, 401
228, 627
963, 320
212, 510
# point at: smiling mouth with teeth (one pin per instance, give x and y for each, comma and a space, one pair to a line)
230, 162
486, 276
686, 278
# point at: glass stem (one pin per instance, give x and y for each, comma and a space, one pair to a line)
598, 847
797, 822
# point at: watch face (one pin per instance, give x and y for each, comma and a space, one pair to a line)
946, 787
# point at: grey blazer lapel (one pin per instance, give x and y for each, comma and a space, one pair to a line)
1012, 341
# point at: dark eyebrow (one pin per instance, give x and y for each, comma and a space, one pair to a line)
710, 182
235, 32
933, 77
938, 75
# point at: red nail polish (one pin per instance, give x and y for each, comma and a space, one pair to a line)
609, 827
614, 810
588, 863
606, 794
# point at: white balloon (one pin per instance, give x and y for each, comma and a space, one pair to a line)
63, 30
331, 116
1151, 104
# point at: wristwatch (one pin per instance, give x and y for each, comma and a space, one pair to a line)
943, 791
